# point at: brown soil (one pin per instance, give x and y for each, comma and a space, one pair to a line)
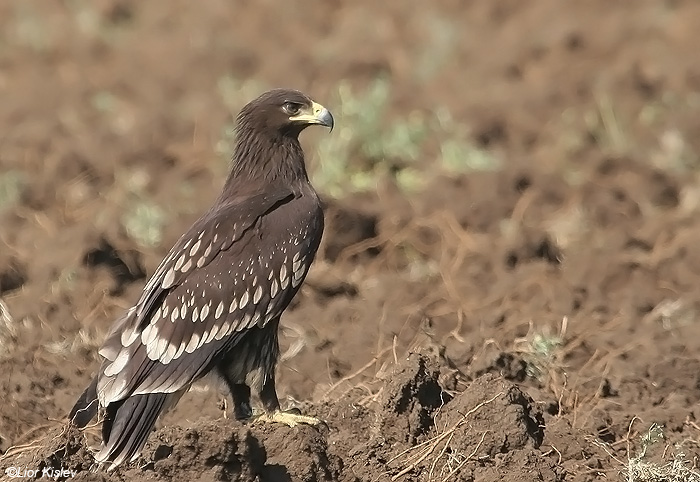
424, 335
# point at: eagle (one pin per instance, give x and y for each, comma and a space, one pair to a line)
213, 305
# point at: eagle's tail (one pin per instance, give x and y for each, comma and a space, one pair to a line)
127, 425
86, 407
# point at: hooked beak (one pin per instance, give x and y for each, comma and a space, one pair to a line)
317, 114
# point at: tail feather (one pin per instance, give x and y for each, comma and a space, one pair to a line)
86, 407
127, 425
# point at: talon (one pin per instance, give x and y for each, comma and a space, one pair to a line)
289, 418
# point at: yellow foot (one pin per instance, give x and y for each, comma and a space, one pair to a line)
289, 418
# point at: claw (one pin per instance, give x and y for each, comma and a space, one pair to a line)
291, 418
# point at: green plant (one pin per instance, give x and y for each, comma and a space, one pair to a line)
363, 134
144, 222
12, 184
542, 352
457, 154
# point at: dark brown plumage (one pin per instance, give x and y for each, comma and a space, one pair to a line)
214, 303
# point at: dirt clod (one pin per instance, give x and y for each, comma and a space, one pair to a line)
410, 398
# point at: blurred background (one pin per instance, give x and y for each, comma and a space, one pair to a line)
511, 182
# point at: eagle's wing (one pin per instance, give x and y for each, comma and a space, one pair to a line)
213, 284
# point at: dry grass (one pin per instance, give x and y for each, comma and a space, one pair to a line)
653, 461
36, 443
8, 329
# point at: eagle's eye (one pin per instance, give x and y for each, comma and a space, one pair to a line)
291, 108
